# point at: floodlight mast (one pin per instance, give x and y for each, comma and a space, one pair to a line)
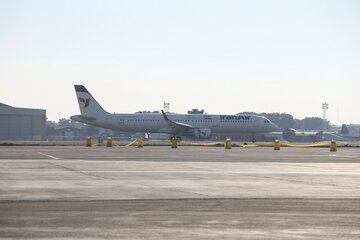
325, 107
166, 106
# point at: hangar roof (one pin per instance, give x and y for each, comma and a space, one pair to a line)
9, 110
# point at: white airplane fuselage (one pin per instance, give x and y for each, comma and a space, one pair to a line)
155, 123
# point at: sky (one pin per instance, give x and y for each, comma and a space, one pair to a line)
222, 56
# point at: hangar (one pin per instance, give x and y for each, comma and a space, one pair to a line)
21, 123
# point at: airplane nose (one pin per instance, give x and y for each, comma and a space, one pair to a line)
273, 127
75, 117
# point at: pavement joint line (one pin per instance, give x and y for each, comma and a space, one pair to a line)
49, 156
4, 201
172, 189
305, 182
342, 156
78, 171
188, 192
328, 172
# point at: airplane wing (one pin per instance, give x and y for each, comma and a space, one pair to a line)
178, 128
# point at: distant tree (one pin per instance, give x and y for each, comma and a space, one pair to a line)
51, 123
92, 130
311, 123
344, 129
145, 111
64, 122
299, 124
282, 120
196, 111
248, 113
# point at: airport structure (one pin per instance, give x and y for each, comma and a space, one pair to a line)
21, 123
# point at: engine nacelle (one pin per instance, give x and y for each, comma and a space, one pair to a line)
202, 133
289, 133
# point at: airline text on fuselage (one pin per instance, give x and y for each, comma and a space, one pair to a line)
234, 117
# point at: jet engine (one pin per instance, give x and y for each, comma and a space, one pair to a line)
202, 133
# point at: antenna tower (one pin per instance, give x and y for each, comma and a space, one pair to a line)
325, 107
166, 106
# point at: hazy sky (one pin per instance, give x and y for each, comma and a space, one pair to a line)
221, 56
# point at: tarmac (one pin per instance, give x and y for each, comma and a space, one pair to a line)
157, 192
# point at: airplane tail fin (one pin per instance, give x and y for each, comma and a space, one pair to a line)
87, 103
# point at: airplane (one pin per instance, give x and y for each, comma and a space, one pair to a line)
293, 135
199, 126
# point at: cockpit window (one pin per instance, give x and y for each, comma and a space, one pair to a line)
266, 121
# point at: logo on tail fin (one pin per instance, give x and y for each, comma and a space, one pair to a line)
86, 102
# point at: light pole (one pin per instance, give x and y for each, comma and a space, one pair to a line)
325, 107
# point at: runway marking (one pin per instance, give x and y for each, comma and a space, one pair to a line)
330, 172
335, 155
49, 156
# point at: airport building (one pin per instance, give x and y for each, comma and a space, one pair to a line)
21, 123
